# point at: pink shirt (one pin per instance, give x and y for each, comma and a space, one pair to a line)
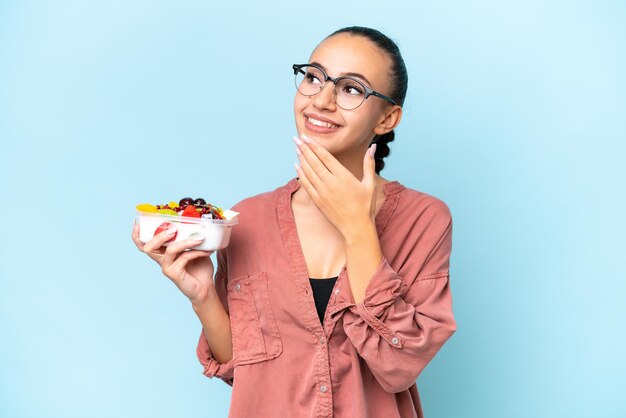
365, 359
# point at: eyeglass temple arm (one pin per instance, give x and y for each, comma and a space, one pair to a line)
382, 96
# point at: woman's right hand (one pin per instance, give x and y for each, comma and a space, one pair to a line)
191, 271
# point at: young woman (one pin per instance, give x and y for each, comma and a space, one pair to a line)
335, 302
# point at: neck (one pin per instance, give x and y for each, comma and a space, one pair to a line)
353, 162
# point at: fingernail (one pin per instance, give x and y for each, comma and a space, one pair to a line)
373, 150
170, 231
298, 151
296, 166
297, 140
306, 139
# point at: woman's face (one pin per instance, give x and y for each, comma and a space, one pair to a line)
354, 129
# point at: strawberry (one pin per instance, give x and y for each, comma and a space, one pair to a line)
164, 227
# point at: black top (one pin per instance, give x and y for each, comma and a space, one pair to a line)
322, 289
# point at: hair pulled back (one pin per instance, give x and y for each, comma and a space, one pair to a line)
398, 80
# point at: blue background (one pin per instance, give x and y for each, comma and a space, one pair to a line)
515, 117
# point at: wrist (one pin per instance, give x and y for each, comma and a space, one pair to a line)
360, 232
206, 301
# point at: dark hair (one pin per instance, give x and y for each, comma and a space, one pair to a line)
398, 80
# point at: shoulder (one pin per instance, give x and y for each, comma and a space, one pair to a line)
422, 219
417, 204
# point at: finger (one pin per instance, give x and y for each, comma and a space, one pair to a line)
329, 161
306, 153
312, 176
304, 181
173, 250
369, 167
159, 240
135, 236
176, 269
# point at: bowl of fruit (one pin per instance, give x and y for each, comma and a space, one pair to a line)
192, 218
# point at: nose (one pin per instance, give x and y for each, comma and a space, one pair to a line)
326, 98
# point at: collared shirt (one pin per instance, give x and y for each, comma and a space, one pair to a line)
363, 361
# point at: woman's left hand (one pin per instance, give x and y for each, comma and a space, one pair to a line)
344, 200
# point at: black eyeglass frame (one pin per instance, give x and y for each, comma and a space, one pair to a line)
368, 91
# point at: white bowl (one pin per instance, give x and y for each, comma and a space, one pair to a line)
216, 232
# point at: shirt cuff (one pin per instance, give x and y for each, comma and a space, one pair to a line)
384, 287
213, 368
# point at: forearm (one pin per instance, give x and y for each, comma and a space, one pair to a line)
216, 325
363, 256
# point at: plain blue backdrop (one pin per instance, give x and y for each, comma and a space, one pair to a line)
515, 117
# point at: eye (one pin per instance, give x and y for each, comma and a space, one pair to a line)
352, 88
312, 78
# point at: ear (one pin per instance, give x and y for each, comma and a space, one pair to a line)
390, 120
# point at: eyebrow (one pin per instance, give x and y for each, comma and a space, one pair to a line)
361, 76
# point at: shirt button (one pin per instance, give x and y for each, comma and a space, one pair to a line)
336, 291
323, 388
237, 287
321, 339
395, 340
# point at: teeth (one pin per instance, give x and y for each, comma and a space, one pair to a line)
322, 124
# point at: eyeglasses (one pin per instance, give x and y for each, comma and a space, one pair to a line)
350, 93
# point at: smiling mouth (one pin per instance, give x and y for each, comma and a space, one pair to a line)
320, 123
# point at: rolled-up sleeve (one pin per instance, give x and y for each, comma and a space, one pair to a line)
213, 368
406, 315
